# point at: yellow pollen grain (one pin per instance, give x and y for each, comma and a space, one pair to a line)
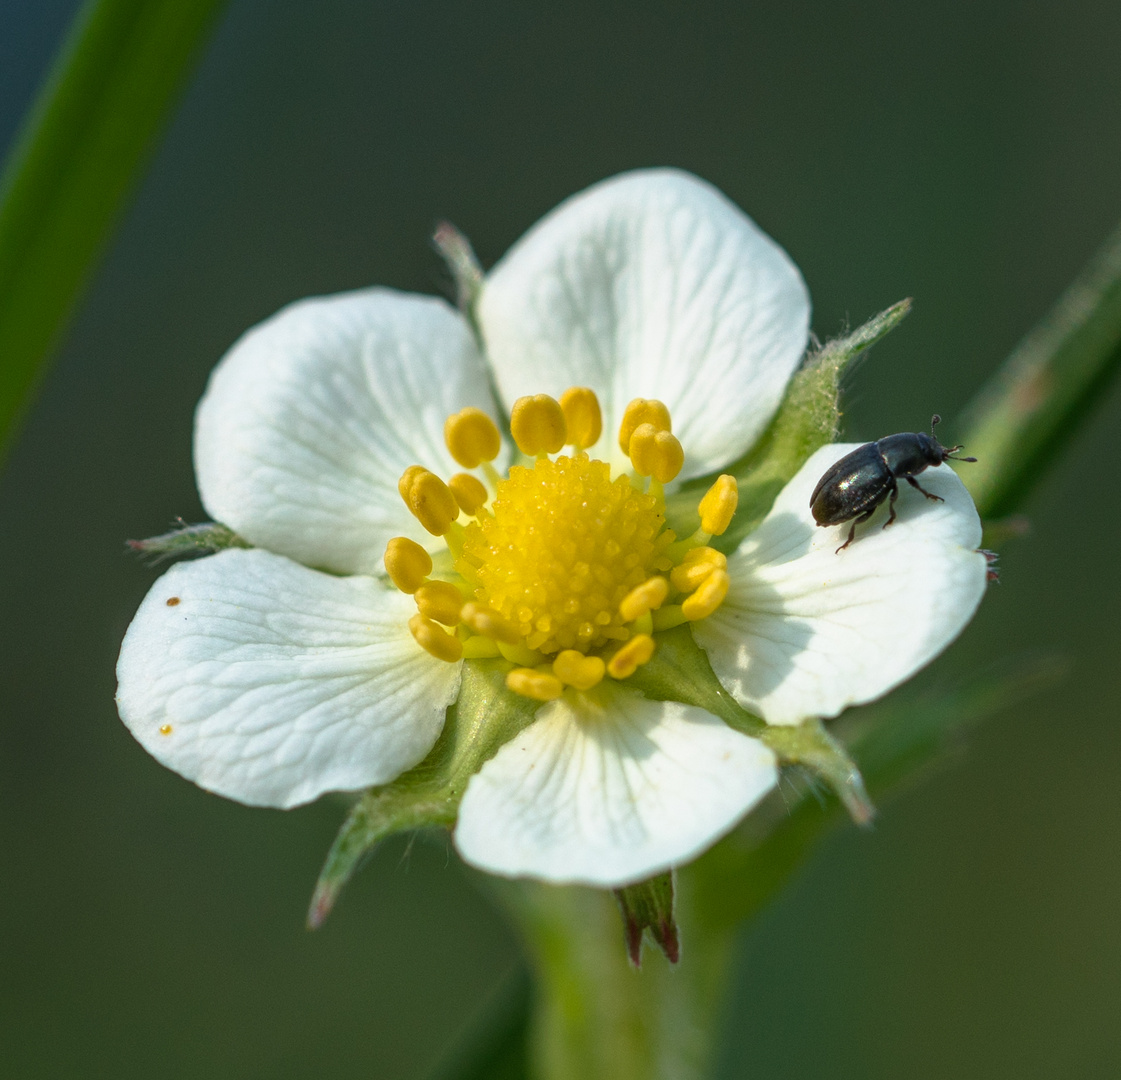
575, 669
434, 639
631, 656
440, 601
537, 425
695, 567
165, 729
407, 564
539, 685
471, 437
642, 411
469, 492
708, 597
719, 505
564, 546
582, 416
644, 598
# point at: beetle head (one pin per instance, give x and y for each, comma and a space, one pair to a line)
939, 453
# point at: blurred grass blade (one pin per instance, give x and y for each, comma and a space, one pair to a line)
72, 167
1036, 399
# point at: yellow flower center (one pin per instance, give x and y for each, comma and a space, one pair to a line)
564, 546
565, 571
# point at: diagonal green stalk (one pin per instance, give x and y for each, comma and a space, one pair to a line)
1022, 418
74, 163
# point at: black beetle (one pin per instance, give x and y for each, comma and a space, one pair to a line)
860, 481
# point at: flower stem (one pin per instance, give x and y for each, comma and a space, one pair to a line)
1036, 400
73, 165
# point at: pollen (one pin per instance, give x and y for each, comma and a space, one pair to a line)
565, 546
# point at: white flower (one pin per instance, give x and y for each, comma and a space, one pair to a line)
274, 674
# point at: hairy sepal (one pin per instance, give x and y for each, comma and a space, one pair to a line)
188, 540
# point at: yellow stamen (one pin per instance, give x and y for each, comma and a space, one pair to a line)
435, 640
642, 598
537, 425
441, 601
407, 563
656, 453
642, 411
582, 416
708, 597
695, 567
718, 505
520, 654
538, 685
472, 437
489, 623
429, 499
576, 669
631, 656
469, 492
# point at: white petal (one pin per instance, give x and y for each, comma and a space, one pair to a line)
651, 284
271, 683
806, 631
610, 790
311, 418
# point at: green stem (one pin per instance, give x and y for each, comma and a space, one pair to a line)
75, 161
1019, 422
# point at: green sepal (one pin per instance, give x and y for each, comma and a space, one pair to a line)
811, 746
648, 905
485, 716
807, 420
679, 671
203, 539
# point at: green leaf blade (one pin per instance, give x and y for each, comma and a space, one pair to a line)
74, 164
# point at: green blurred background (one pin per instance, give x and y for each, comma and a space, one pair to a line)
965, 154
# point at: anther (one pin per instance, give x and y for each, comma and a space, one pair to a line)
440, 601
695, 567
539, 685
631, 656
642, 411
537, 424
575, 669
582, 416
407, 563
489, 623
469, 492
471, 437
719, 505
655, 453
644, 598
708, 597
434, 639
429, 499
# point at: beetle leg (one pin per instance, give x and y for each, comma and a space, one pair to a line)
852, 531
915, 484
891, 504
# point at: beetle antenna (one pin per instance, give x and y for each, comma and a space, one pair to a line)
954, 449
935, 420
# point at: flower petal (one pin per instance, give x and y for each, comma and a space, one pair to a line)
311, 418
609, 789
270, 683
807, 631
651, 284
